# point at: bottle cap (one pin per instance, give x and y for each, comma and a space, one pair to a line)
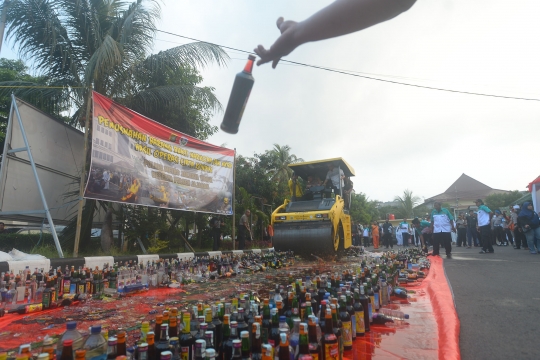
68, 342
244, 334
71, 325
282, 319
96, 329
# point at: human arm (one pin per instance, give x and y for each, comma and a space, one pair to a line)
339, 18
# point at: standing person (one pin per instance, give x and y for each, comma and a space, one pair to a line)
366, 235
461, 224
270, 231
519, 236
507, 236
498, 228
483, 215
387, 234
216, 224
2, 227
405, 230
244, 230
375, 234
296, 191
335, 178
530, 223
442, 224
339, 18
472, 234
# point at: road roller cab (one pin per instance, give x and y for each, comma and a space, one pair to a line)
317, 222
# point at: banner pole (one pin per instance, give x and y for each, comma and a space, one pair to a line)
83, 175
233, 239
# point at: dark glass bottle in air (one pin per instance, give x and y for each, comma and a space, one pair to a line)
238, 99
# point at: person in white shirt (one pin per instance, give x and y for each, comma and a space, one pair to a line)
335, 177
405, 230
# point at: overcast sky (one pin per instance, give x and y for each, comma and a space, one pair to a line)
396, 137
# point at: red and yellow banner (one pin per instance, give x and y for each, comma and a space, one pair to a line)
138, 161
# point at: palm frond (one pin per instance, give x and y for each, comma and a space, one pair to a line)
154, 98
106, 57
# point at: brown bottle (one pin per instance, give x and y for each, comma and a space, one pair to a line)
157, 328
151, 346
238, 99
121, 343
67, 350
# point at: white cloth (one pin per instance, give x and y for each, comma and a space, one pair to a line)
335, 176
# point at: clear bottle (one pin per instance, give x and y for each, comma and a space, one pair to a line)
71, 333
112, 345
210, 354
95, 345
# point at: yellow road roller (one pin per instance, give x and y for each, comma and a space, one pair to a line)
316, 221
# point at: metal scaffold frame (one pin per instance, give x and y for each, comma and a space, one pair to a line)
14, 109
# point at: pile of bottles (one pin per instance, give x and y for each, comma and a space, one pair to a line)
29, 291
301, 319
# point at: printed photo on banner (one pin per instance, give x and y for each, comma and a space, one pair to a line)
136, 160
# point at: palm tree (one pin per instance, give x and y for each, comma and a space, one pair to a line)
407, 202
281, 160
104, 45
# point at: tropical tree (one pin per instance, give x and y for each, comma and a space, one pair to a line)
281, 159
46, 99
104, 45
497, 201
407, 202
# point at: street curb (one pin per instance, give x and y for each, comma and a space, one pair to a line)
93, 261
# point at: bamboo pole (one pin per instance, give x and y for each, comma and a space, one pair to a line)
83, 175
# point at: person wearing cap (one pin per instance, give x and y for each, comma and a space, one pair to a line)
484, 215
530, 223
295, 184
442, 225
519, 237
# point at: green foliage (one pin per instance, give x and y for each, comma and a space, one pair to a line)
363, 210
407, 203
25, 242
15, 72
496, 201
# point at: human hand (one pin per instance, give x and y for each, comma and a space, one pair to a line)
283, 46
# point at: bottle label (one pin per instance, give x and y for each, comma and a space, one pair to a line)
81, 289
67, 285
360, 326
184, 353
347, 333
46, 300
331, 351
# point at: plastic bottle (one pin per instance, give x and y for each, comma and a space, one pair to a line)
95, 345
243, 83
71, 334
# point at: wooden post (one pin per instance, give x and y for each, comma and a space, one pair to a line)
234, 203
83, 175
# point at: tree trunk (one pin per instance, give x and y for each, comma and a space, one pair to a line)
107, 231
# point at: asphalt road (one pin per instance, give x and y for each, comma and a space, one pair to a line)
497, 298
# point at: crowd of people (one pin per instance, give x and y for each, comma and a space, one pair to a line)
481, 228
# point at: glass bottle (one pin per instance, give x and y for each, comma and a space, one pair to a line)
111, 348
236, 350
359, 315
346, 324
314, 347
121, 343
238, 99
186, 339
256, 341
330, 346
67, 350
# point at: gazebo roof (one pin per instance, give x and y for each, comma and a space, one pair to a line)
465, 187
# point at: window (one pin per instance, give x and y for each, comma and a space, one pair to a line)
98, 128
103, 130
99, 155
94, 153
110, 146
106, 144
101, 142
111, 158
